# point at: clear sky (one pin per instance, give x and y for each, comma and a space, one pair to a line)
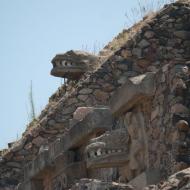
31, 33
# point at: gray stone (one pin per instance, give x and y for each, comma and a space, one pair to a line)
179, 108
82, 112
122, 80
108, 150
85, 91
149, 34
94, 184
137, 52
94, 122
19, 145
100, 95
69, 110
14, 164
72, 101
82, 97
185, 35
51, 122
73, 64
143, 43
134, 90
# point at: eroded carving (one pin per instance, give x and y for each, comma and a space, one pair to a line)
135, 124
73, 64
108, 150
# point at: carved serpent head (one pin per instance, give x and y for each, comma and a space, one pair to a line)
73, 64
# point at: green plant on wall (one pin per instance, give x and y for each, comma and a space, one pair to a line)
32, 113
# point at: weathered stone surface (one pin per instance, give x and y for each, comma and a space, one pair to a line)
28, 146
108, 87
37, 165
18, 158
82, 112
90, 184
132, 91
144, 43
69, 110
185, 35
73, 64
85, 91
14, 164
126, 53
8, 155
149, 34
179, 108
38, 141
72, 101
153, 109
145, 179
180, 181
96, 121
155, 113
101, 96
19, 145
137, 52
108, 150
83, 97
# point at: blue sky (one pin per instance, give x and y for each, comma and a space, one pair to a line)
31, 33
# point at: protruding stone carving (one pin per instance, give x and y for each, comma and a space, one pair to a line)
97, 120
73, 64
132, 92
147, 78
108, 150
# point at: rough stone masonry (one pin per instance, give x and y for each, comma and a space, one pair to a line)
120, 122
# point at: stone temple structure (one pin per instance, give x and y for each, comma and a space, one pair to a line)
120, 122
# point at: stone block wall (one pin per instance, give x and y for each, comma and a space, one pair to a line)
159, 44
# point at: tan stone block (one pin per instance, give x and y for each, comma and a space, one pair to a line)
101, 96
81, 113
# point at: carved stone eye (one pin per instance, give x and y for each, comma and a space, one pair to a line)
63, 63
113, 151
99, 152
119, 150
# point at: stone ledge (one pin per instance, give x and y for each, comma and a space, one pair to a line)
134, 90
100, 120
